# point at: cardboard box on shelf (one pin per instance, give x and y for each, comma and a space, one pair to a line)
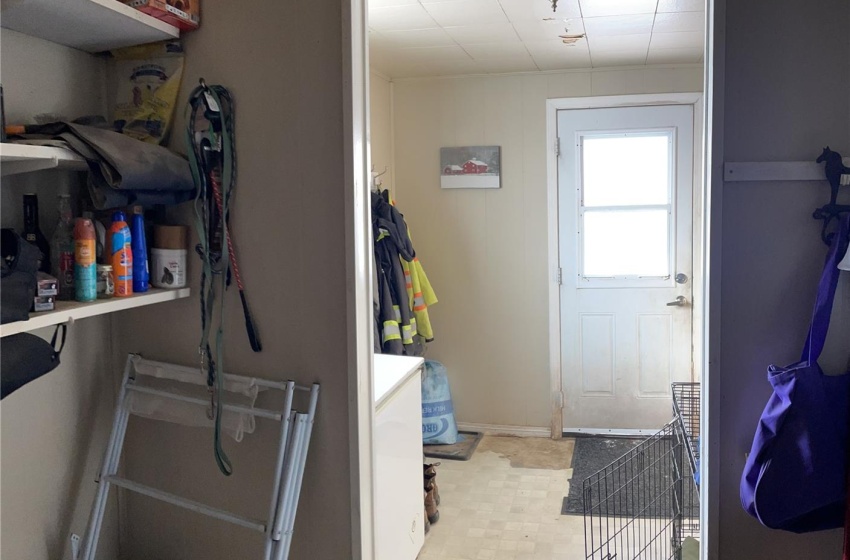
184, 14
47, 285
43, 303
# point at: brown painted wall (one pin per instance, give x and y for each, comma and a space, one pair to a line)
283, 62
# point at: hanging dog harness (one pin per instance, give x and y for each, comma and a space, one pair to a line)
212, 158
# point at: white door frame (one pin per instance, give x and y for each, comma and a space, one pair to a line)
359, 255
552, 108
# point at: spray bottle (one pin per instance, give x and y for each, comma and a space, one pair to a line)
85, 268
140, 252
121, 255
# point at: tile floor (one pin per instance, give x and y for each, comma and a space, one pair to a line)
505, 504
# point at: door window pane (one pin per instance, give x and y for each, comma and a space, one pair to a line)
620, 170
626, 243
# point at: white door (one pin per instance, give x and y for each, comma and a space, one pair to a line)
625, 188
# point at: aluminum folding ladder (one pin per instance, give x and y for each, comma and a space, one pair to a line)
294, 441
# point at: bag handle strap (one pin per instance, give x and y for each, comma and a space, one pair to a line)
64, 329
826, 295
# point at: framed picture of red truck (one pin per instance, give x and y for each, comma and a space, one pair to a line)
471, 167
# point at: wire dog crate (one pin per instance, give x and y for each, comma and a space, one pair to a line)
644, 505
686, 411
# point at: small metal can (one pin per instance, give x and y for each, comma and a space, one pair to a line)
105, 282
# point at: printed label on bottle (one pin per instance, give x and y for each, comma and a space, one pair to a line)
84, 252
66, 268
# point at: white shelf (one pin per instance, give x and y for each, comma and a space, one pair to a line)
23, 158
74, 310
88, 25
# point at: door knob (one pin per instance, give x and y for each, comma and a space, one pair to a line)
681, 301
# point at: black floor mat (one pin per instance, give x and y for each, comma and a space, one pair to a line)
460, 451
591, 455
640, 486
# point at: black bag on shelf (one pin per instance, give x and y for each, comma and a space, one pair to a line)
25, 357
18, 282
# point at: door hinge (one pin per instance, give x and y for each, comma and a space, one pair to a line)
557, 147
560, 276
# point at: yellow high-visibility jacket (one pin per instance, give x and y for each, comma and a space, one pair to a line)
421, 295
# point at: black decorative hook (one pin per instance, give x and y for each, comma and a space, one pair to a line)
834, 169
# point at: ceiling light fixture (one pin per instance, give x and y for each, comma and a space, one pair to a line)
571, 40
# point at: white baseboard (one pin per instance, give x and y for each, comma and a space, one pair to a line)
499, 430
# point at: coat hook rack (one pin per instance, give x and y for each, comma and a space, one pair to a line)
834, 169
376, 178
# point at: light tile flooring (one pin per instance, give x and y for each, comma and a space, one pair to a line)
505, 504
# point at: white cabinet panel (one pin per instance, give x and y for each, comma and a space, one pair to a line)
398, 466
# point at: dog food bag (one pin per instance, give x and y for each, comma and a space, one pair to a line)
144, 82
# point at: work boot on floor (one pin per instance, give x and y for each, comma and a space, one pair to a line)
430, 479
431, 511
425, 516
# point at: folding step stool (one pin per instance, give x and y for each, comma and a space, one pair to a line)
294, 441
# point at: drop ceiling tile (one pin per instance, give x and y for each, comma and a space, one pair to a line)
417, 54
435, 37
466, 12
490, 33
674, 56
539, 10
617, 58
559, 63
401, 69
619, 25
665, 6
679, 21
679, 40
489, 51
388, 3
396, 18
562, 59
504, 65
557, 48
547, 30
638, 42
597, 8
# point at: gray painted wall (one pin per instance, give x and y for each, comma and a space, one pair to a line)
787, 95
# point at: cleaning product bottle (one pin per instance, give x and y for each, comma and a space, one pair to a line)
140, 251
121, 255
62, 250
85, 268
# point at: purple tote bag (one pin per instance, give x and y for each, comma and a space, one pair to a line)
795, 476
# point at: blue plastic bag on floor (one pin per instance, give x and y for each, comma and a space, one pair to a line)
438, 415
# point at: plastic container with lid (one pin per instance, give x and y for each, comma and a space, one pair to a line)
105, 282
